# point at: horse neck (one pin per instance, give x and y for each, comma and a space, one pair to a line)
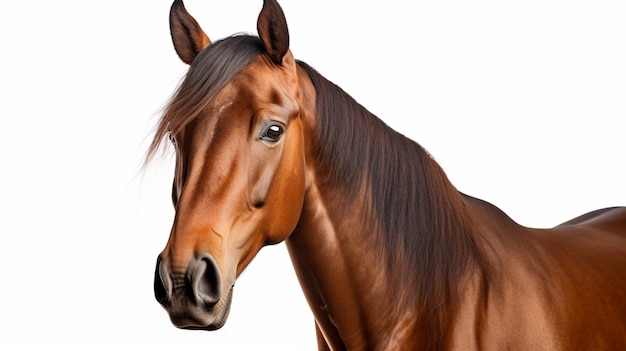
383, 240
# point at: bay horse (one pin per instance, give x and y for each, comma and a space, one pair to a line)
389, 254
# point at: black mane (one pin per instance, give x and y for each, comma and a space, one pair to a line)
422, 224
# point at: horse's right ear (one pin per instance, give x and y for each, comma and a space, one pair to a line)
189, 39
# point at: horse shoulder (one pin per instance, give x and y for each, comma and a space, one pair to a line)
546, 289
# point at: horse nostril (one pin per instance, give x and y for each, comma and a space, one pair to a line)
206, 281
202, 284
162, 283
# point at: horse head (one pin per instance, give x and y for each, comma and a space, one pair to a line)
239, 184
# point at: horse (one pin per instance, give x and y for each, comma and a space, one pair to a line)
389, 254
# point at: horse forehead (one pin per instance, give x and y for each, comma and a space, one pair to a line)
266, 82
259, 86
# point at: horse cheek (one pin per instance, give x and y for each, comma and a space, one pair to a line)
286, 194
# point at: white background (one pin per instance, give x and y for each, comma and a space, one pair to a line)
522, 104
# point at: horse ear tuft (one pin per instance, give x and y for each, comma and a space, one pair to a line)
189, 39
273, 31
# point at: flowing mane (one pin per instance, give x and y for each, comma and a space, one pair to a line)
424, 230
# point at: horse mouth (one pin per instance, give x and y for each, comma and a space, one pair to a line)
185, 314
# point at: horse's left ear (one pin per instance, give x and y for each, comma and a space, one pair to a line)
272, 29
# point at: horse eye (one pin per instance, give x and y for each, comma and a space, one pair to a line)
272, 133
